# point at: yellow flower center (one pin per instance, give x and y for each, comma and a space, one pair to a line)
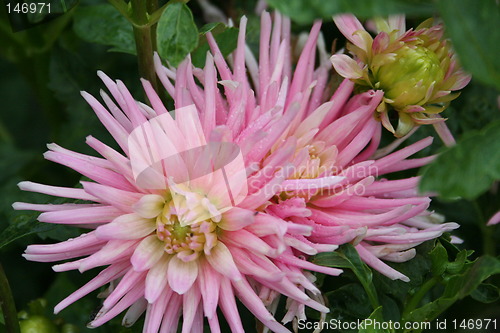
186, 222
187, 241
318, 162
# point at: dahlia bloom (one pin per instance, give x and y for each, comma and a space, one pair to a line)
228, 198
336, 135
416, 69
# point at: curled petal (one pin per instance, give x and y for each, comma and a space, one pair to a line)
348, 26
405, 124
149, 206
346, 66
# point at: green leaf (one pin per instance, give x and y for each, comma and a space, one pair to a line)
457, 266
466, 169
348, 303
458, 287
369, 327
486, 293
103, 24
473, 28
348, 257
439, 259
23, 225
226, 38
306, 11
177, 34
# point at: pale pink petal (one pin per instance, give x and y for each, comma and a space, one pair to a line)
191, 311
346, 66
82, 241
348, 26
397, 22
181, 274
156, 280
245, 239
112, 125
494, 219
156, 102
209, 285
88, 169
105, 276
221, 260
131, 279
97, 214
130, 298
377, 264
236, 219
444, 133
129, 226
254, 304
228, 306
171, 315
308, 265
149, 206
106, 194
155, 310
134, 313
114, 251
147, 253
75, 193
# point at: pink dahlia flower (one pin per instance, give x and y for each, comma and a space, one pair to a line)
337, 135
416, 69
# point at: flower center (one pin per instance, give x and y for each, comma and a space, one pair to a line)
409, 75
320, 162
186, 223
189, 241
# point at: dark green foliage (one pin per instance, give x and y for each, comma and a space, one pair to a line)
467, 169
102, 24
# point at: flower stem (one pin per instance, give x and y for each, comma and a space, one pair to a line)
145, 38
419, 295
8, 305
371, 295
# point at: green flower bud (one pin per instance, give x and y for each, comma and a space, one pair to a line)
416, 69
37, 324
407, 77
